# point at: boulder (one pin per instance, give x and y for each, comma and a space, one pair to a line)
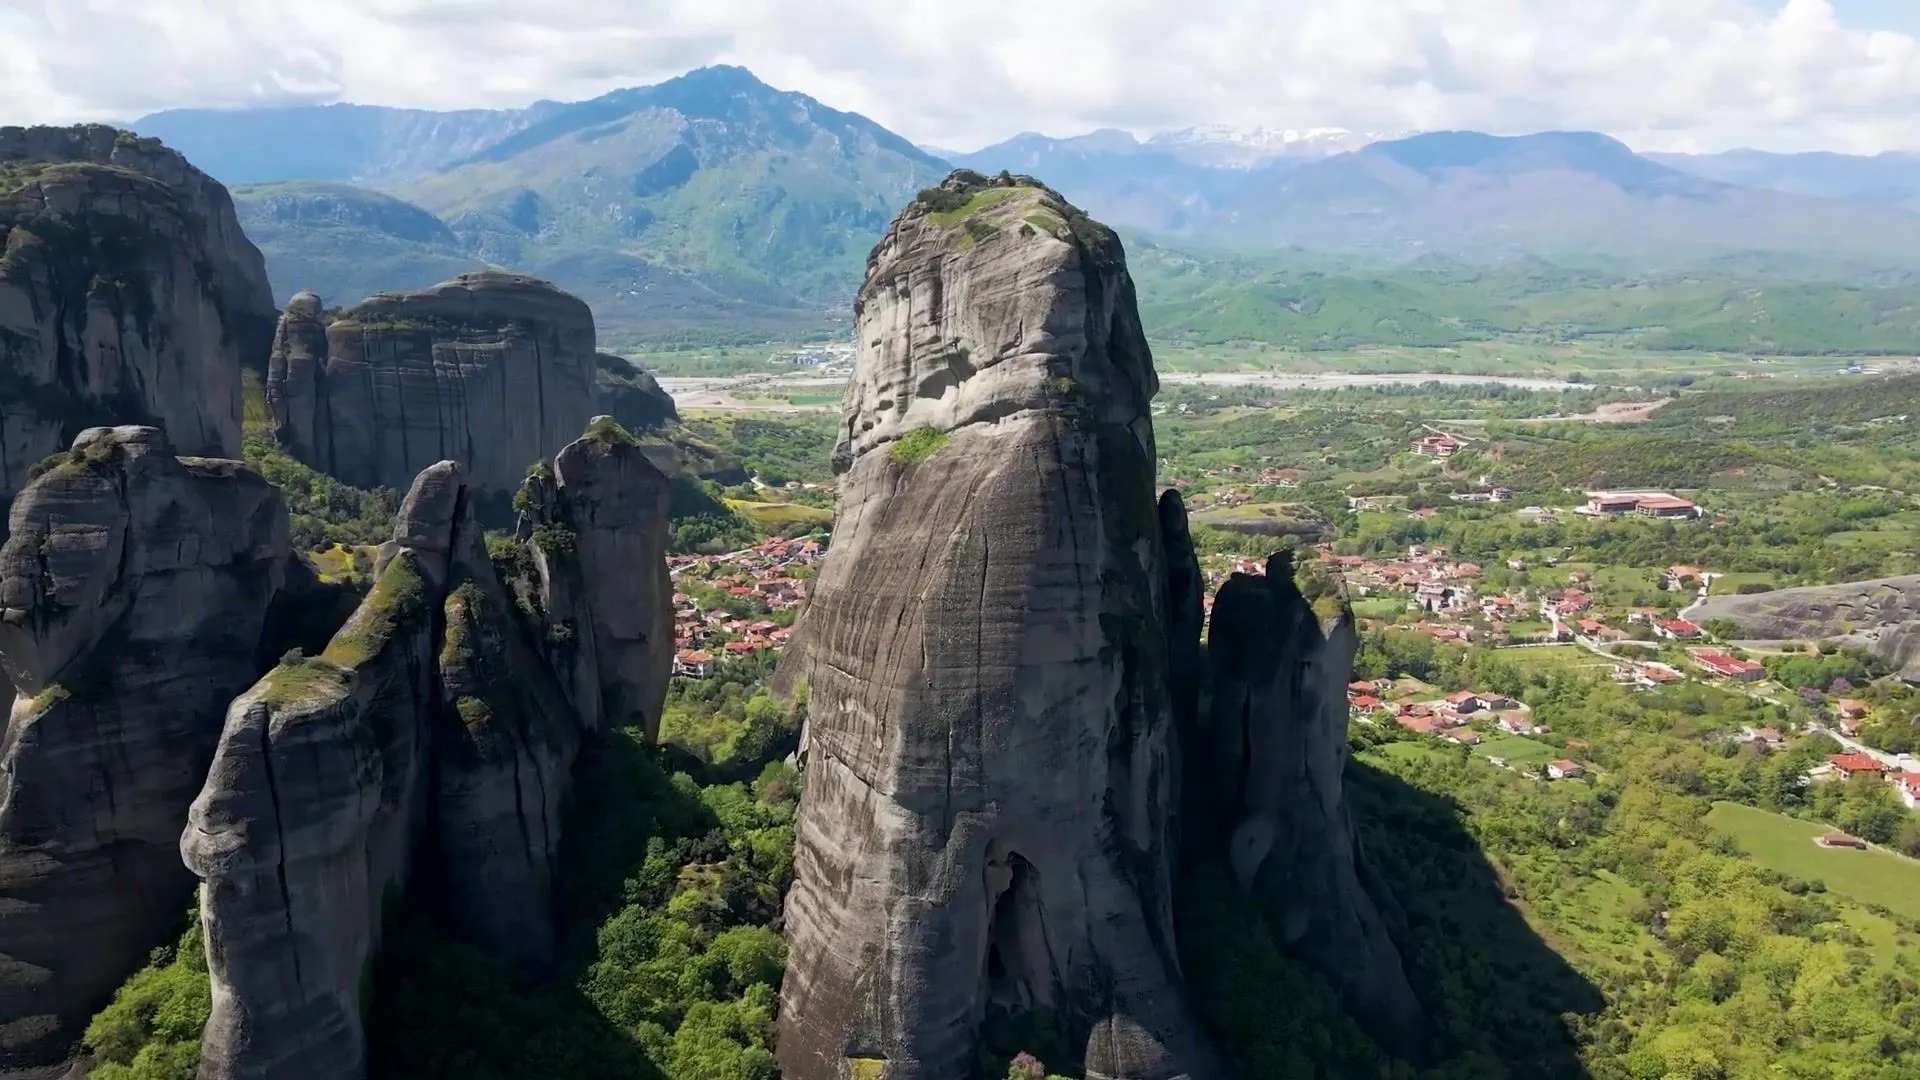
128, 295
985, 830
135, 589
1265, 771
490, 369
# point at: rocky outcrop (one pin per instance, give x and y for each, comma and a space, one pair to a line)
631, 396
1264, 779
128, 295
1882, 615
424, 755
135, 591
492, 370
604, 508
985, 826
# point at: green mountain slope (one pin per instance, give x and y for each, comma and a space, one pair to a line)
346, 243
712, 173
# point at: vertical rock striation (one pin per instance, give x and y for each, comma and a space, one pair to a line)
492, 370
427, 751
128, 295
985, 828
134, 595
1265, 774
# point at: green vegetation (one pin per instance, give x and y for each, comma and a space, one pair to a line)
778, 519
607, 432
396, 599
917, 445
322, 512
1875, 877
151, 1031
669, 968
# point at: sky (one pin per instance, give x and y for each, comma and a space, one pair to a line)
1696, 75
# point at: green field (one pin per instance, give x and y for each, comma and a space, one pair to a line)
1518, 750
1380, 607
1555, 658
777, 516
1786, 844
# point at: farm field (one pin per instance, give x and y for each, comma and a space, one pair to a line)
1786, 844
1518, 750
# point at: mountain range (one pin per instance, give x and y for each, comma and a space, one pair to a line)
715, 207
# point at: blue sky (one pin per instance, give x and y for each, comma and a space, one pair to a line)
1900, 15
1660, 74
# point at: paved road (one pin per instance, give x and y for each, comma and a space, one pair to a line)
1891, 761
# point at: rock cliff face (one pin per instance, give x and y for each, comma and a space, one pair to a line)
1882, 615
135, 588
427, 750
1264, 778
128, 294
985, 829
607, 501
492, 370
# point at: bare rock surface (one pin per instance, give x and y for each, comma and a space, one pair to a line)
135, 589
1264, 777
1882, 614
128, 295
425, 755
985, 828
490, 369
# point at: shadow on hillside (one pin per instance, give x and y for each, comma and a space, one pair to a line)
1489, 981
448, 1011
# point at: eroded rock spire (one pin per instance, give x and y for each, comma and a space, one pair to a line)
985, 833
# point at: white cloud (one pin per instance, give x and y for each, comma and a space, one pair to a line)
1662, 74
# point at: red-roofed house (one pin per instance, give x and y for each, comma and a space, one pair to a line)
1466, 701
1561, 770
1367, 705
1908, 785
1422, 725
1437, 446
1675, 629
696, 665
1464, 736
1729, 666
1665, 506
1851, 765
1851, 708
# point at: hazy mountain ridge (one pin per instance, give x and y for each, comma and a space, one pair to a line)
713, 206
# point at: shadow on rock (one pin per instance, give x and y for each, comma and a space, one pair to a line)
444, 1009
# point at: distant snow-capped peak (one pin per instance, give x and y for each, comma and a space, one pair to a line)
1244, 147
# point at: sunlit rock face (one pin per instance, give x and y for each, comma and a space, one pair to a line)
985, 831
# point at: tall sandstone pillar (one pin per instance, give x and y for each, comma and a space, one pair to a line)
986, 826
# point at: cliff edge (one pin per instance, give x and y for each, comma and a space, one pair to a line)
128, 295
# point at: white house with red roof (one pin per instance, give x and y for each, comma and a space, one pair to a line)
1729, 666
1675, 629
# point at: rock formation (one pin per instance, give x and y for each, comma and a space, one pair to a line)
1264, 781
631, 396
605, 497
985, 827
492, 370
128, 295
427, 749
1882, 615
135, 590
